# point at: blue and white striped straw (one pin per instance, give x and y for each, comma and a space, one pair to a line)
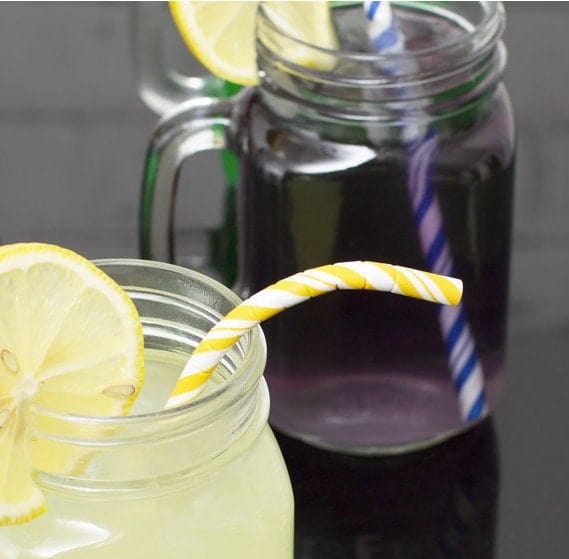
382, 31
464, 363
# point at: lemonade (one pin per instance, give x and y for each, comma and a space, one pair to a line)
205, 481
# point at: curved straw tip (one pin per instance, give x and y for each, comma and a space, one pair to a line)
452, 289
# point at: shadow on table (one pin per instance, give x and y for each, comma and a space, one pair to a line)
436, 503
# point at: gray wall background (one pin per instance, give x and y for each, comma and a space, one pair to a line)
72, 131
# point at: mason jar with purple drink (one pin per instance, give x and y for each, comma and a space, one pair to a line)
402, 157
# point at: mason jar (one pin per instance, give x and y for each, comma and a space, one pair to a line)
402, 157
205, 479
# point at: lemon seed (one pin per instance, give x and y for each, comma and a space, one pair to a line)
119, 391
10, 361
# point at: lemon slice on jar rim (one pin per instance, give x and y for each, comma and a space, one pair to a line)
221, 35
70, 341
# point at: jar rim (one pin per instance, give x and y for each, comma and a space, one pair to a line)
252, 341
489, 30
455, 57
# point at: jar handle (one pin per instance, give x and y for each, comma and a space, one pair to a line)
197, 125
161, 88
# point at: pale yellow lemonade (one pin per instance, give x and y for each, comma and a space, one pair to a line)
241, 508
207, 481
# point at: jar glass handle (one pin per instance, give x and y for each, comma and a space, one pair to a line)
197, 125
161, 88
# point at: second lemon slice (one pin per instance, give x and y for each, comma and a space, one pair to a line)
221, 35
70, 341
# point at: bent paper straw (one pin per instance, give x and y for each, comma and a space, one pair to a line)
295, 289
464, 364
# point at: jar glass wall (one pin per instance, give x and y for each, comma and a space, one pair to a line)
404, 158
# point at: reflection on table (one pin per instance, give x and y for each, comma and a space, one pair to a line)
437, 503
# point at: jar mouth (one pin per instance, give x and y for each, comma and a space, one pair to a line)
487, 28
453, 53
248, 355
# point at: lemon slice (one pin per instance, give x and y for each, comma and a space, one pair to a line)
70, 341
221, 35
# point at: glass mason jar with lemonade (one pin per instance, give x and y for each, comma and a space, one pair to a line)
206, 479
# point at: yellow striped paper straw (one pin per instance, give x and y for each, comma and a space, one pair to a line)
295, 289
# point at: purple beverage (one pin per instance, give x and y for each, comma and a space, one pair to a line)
327, 181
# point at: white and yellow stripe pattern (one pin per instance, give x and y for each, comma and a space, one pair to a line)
295, 289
